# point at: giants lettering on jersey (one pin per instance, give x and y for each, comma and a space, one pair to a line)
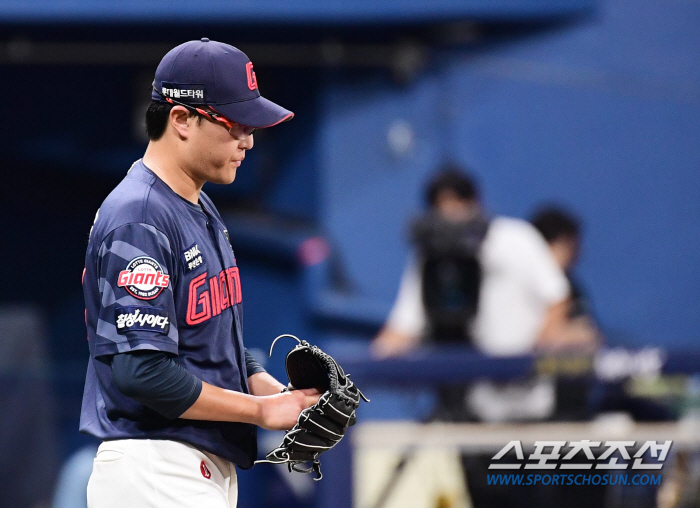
208, 297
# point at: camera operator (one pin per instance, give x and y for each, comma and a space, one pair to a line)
495, 284
511, 299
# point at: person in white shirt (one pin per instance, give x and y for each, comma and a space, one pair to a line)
523, 306
523, 298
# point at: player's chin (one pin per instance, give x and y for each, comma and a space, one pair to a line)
225, 176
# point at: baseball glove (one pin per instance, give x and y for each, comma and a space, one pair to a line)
321, 426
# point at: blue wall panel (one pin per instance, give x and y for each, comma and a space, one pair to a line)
600, 116
368, 192
603, 118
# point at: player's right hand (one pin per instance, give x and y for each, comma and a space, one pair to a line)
281, 411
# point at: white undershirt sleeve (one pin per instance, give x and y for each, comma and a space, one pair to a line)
408, 314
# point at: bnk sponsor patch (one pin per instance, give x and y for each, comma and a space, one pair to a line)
191, 258
149, 319
143, 278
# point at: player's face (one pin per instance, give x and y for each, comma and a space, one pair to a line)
214, 153
454, 208
565, 251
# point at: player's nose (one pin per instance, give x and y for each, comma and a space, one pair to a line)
247, 142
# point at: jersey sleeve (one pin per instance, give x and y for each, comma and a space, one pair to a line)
135, 267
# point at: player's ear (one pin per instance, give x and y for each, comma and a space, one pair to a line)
178, 120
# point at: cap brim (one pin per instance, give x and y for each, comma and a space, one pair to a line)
258, 112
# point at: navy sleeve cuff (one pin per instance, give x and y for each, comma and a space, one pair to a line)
251, 365
156, 381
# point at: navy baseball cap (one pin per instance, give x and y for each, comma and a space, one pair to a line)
218, 75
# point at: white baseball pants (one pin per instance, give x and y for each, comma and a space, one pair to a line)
143, 473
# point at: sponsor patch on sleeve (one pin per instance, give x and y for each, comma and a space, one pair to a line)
191, 258
148, 319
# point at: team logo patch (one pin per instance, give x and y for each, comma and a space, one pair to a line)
143, 278
149, 319
191, 258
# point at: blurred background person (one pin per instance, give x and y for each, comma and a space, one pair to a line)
498, 285
490, 283
561, 230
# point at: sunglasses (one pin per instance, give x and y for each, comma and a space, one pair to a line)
234, 128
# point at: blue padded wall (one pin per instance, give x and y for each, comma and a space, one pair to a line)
601, 116
367, 192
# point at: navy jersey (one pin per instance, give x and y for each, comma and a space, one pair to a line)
160, 274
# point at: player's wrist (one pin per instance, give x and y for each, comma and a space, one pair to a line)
263, 383
260, 410
269, 407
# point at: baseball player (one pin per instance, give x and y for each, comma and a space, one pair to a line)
170, 388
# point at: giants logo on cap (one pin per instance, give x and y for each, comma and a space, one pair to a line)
143, 278
252, 80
